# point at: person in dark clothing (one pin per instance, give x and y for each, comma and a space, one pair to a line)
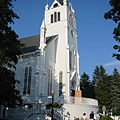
92, 115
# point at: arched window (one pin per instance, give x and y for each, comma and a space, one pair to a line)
72, 33
49, 81
70, 59
71, 19
74, 59
51, 18
55, 5
55, 16
60, 82
27, 80
58, 16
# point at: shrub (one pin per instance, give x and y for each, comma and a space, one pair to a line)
77, 119
50, 105
118, 111
106, 118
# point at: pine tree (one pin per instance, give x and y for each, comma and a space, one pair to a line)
115, 90
96, 76
102, 86
86, 86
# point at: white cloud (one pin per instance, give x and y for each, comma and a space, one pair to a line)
112, 64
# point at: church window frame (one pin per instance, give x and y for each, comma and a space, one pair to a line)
72, 33
58, 16
27, 80
49, 81
55, 16
51, 18
55, 5
71, 19
70, 59
60, 82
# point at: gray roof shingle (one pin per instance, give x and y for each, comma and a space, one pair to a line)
32, 43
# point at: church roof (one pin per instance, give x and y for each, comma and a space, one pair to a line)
33, 43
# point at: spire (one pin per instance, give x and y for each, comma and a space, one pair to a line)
47, 6
42, 33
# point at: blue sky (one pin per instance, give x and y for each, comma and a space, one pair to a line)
95, 39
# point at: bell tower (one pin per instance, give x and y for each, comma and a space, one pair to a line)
61, 52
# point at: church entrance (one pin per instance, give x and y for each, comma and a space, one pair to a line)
72, 92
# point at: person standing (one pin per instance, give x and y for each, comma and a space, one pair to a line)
84, 117
97, 116
91, 116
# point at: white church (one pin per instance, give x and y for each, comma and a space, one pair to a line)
50, 61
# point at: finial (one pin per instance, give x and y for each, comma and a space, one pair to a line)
65, 2
47, 2
46, 7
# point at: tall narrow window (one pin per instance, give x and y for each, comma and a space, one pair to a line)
51, 18
58, 16
60, 82
55, 16
49, 81
70, 59
27, 80
71, 19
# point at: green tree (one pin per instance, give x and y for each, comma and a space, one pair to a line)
86, 86
102, 86
96, 76
115, 90
114, 14
10, 49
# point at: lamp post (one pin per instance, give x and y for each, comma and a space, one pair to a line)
52, 93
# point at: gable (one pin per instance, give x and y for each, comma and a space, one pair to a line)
60, 1
56, 4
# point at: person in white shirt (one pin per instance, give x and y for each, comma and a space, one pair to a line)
97, 116
84, 117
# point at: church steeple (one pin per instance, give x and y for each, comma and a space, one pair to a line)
47, 6
43, 34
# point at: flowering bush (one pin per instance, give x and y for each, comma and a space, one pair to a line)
50, 105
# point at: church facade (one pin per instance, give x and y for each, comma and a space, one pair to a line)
50, 61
